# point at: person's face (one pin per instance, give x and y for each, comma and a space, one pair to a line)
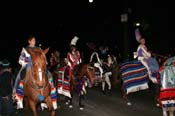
74, 49
57, 53
32, 42
142, 41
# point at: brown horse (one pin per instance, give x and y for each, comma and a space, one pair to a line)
77, 82
82, 73
36, 83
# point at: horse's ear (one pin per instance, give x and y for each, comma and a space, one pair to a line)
46, 50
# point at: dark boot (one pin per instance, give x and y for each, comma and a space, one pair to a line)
109, 92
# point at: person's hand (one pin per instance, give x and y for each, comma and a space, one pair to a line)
149, 54
135, 54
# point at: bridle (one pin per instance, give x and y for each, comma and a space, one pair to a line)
40, 74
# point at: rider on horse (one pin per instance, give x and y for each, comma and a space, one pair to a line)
73, 56
96, 61
25, 61
144, 56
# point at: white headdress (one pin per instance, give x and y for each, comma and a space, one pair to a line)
137, 34
74, 41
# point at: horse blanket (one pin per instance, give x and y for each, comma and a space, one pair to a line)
134, 76
167, 82
63, 86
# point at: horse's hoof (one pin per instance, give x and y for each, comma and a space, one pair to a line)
67, 103
70, 106
81, 108
129, 104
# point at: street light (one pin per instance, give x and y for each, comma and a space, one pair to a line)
90, 1
137, 24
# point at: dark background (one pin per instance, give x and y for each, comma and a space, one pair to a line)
55, 23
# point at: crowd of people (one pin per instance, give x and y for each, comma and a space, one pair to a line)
9, 81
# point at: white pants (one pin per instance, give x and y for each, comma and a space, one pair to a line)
107, 80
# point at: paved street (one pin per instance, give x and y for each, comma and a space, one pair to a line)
98, 104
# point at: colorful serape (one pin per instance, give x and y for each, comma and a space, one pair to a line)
134, 76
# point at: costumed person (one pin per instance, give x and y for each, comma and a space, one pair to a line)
74, 57
167, 86
144, 56
54, 60
63, 86
107, 68
6, 84
104, 52
26, 62
95, 60
54, 64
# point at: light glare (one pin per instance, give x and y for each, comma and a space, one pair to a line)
90, 1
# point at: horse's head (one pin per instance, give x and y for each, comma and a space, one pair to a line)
86, 70
36, 85
38, 64
90, 73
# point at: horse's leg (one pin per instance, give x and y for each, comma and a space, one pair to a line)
80, 102
157, 89
26, 107
125, 96
67, 100
26, 103
50, 106
72, 83
103, 86
32, 105
171, 113
164, 112
70, 101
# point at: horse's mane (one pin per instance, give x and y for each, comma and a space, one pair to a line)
37, 51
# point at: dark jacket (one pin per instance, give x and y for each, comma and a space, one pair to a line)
6, 79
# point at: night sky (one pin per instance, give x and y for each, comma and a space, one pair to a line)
55, 23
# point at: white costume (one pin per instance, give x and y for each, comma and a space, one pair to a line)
97, 64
